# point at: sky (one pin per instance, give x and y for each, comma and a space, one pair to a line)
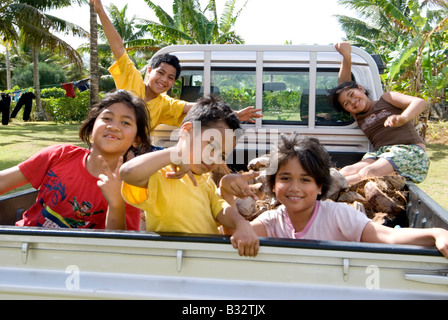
261, 21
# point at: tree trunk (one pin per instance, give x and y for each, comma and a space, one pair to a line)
94, 71
8, 68
40, 113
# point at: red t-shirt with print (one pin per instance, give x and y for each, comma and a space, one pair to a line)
68, 196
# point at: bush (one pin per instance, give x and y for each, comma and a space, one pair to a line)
56, 92
68, 110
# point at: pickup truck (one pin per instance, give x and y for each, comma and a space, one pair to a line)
289, 83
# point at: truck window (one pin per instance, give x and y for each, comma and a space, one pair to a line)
285, 84
283, 91
236, 86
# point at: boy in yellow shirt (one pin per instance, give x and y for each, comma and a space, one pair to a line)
163, 73
185, 199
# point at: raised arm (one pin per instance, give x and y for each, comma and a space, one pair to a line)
113, 37
137, 171
345, 73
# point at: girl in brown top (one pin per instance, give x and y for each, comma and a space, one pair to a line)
388, 125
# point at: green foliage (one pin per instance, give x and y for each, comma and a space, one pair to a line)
190, 25
55, 92
68, 110
49, 74
412, 38
238, 98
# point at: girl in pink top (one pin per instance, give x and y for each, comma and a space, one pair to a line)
301, 179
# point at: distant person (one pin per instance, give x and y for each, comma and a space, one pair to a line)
163, 72
302, 179
387, 123
174, 202
79, 187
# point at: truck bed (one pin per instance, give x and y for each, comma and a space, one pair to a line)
79, 264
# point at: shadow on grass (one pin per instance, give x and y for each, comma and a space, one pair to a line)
29, 132
438, 151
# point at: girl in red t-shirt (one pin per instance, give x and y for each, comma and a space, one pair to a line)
81, 188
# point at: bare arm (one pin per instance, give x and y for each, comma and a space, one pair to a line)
377, 233
137, 171
114, 39
412, 107
345, 73
11, 178
259, 228
244, 237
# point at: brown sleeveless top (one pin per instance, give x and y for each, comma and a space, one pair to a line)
372, 124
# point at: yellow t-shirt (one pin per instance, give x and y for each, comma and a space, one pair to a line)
176, 205
163, 109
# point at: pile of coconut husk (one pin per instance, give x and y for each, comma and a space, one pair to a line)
381, 199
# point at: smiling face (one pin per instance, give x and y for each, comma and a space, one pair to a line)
161, 79
296, 189
354, 100
115, 130
211, 147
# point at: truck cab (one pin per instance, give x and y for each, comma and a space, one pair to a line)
288, 83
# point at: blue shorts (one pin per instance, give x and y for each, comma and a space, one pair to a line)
410, 161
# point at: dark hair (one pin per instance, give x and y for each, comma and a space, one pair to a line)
312, 155
336, 92
211, 109
133, 102
166, 58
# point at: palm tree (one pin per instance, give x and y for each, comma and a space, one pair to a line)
94, 69
24, 20
403, 31
189, 25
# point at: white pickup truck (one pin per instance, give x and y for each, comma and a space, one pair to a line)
289, 83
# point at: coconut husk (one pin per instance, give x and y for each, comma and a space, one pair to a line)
259, 163
220, 171
383, 198
350, 197
379, 200
339, 183
251, 209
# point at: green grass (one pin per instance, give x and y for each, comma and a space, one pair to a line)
436, 183
20, 140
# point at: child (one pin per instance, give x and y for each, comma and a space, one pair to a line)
388, 123
303, 176
190, 204
80, 188
162, 74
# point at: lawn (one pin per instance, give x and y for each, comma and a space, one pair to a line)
436, 184
19, 141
